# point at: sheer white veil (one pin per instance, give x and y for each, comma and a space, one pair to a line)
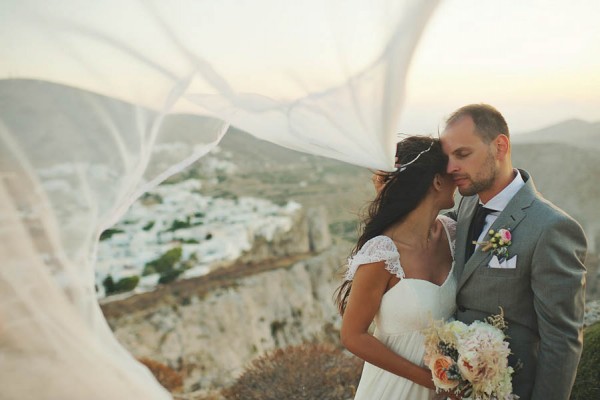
100, 101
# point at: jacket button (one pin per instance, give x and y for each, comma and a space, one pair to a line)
462, 308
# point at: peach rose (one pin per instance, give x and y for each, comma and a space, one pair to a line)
439, 366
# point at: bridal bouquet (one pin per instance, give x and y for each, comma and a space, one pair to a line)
470, 360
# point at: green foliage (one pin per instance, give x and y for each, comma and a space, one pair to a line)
109, 232
127, 284
148, 270
148, 199
148, 226
169, 276
308, 371
177, 224
109, 285
123, 285
189, 241
164, 263
166, 266
587, 382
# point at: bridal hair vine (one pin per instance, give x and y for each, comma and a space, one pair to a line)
402, 167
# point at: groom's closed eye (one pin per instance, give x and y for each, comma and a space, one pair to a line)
462, 154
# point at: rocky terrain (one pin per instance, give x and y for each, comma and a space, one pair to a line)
210, 327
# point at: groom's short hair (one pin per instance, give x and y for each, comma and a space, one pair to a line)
489, 123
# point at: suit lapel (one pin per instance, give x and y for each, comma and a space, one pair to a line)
509, 218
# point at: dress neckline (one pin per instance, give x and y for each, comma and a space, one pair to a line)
425, 280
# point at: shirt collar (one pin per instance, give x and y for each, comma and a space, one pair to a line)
499, 201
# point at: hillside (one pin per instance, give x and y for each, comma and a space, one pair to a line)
281, 175
573, 132
565, 175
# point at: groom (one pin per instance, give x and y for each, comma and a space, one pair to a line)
540, 283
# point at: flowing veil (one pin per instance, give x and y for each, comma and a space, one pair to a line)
96, 104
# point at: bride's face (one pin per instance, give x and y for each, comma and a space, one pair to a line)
447, 191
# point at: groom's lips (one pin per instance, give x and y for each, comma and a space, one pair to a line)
459, 181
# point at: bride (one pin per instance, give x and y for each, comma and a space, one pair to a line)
400, 274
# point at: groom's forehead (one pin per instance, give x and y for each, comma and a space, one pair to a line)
460, 136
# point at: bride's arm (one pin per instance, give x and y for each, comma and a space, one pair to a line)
369, 284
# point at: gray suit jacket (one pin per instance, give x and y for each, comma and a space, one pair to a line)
542, 298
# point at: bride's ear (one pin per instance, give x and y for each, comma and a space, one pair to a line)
437, 182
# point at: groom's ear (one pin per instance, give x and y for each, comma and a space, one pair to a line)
502, 144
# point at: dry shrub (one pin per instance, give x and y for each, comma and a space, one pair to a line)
214, 394
166, 376
307, 371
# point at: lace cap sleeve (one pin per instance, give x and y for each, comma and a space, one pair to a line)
450, 227
379, 248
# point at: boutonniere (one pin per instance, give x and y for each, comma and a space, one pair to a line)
497, 243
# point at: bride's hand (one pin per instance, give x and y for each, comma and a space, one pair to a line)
379, 179
446, 395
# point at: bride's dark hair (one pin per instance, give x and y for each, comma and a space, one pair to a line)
420, 159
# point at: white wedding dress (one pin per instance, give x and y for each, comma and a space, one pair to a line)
406, 309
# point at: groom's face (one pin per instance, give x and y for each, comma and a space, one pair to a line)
471, 161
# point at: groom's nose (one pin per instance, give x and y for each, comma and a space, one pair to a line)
452, 166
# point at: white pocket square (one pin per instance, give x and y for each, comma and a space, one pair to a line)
505, 264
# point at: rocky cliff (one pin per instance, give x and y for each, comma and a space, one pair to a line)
211, 327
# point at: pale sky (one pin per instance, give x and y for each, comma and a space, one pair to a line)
537, 61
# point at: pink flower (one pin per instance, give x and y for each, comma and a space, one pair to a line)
505, 235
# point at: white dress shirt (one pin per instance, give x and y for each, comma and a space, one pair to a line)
498, 203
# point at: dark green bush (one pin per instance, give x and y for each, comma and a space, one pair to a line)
189, 241
308, 371
109, 285
587, 383
169, 276
109, 232
177, 224
127, 284
123, 285
164, 263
